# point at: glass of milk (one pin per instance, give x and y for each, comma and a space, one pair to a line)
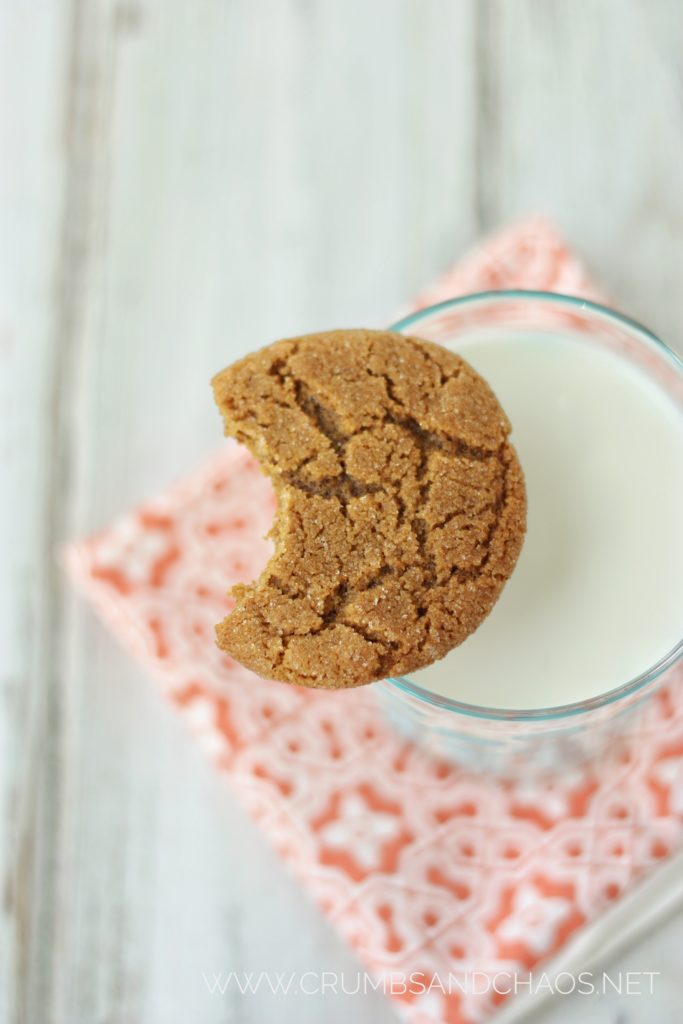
590, 624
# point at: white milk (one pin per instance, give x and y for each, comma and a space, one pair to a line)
597, 595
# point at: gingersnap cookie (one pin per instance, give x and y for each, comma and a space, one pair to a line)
401, 505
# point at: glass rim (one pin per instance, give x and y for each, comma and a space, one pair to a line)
617, 693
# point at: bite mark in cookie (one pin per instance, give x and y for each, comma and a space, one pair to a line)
401, 505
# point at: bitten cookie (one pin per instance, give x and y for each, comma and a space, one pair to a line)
401, 505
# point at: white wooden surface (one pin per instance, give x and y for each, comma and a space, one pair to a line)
181, 180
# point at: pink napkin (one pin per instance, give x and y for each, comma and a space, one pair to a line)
426, 871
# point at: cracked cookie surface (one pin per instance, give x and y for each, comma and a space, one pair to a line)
401, 505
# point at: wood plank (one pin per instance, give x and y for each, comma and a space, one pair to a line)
583, 123
32, 70
215, 163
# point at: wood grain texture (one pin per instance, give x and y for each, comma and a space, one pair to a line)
584, 116
189, 179
32, 59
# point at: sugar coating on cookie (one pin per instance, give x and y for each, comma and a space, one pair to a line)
401, 505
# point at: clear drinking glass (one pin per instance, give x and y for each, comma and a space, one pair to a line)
545, 739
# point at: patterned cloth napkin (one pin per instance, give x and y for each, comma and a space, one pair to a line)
425, 870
